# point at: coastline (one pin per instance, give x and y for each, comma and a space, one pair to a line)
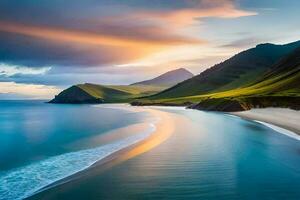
164, 127
154, 171
282, 117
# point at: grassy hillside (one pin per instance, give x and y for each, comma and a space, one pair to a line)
240, 83
75, 94
105, 93
238, 71
279, 86
93, 93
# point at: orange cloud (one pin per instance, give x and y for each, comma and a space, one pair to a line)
132, 47
155, 33
86, 37
182, 17
118, 38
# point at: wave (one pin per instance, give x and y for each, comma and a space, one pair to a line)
280, 130
23, 182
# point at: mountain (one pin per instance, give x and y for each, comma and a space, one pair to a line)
93, 93
238, 71
287, 65
169, 78
279, 87
264, 76
88, 93
75, 94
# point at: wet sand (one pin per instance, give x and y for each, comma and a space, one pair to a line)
282, 117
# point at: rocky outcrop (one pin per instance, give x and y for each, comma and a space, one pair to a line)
143, 103
224, 105
236, 105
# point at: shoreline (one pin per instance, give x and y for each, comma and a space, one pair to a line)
161, 134
281, 117
164, 127
163, 130
281, 130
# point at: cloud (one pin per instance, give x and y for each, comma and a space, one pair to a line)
33, 91
11, 70
186, 16
67, 47
87, 41
99, 33
153, 36
244, 42
36, 52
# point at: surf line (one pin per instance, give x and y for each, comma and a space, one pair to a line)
280, 130
161, 128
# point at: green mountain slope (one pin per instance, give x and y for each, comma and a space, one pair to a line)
105, 93
278, 87
75, 94
93, 93
238, 71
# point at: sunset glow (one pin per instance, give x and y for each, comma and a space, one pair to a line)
121, 36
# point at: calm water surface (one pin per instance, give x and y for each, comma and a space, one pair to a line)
210, 156
41, 143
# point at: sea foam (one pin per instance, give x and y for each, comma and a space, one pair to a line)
23, 182
280, 130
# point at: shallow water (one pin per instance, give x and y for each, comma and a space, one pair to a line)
42, 143
210, 156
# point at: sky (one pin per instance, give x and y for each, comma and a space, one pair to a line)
48, 45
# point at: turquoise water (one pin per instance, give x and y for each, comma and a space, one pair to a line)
210, 156
41, 143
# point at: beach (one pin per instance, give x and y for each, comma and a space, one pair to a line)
191, 155
282, 117
86, 137
164, 124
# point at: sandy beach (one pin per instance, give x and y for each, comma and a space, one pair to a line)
282, 117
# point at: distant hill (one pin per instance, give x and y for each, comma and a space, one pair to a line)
87, 93
169, 78
94, 93
236, 72
265, 76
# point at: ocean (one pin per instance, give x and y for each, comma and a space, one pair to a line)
209, 155
42, 143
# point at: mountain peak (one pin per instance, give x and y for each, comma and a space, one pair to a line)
233, 73
264, 45
291, 44
169, 78
181, 69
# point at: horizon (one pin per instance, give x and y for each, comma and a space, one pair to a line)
105, 42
